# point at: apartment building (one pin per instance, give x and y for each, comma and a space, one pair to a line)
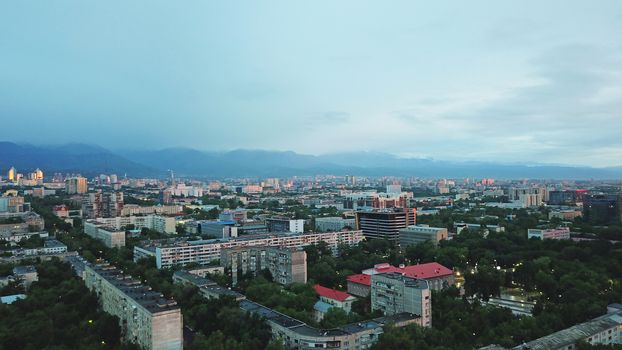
134, 209
296, 334
162, 224
287, 265
111, 237
602, 330
146, 317
394, 293
76, 185
172, 252
102, 204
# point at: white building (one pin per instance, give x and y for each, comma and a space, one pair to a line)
111, 237
168, 254
555, 233
333, 223
134, 209
162, 224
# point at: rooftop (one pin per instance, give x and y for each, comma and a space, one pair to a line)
21, 270
143, 295
331, 293
420, 271
53, 243
304, 329
575, 333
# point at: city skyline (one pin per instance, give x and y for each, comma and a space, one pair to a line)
480, 81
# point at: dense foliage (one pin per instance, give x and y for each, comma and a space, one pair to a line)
58, 313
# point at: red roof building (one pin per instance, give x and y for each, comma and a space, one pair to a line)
436, 274
331, 294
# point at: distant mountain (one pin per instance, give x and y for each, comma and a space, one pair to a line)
92, 159
248, 163
72, 158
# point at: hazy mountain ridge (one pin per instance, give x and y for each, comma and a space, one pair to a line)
93, 159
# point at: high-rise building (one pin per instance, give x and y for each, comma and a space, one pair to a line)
385, 224
351, 180
603, 209
12, 174
103, 205
145, 317
76, 185
394, 293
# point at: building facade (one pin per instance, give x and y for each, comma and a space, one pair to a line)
285, 225
287, 265
76, 185
413, 235
111, 237
335, 223
162, 224
145, 317
385, 224
394, 293
555, 233
183, 252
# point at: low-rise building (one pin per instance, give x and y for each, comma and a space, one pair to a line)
283, 224
26, 274
331, 298
334, 223
287, 265
459, 226
566, 214
555, 233
413, 235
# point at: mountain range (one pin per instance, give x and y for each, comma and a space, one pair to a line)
92, 160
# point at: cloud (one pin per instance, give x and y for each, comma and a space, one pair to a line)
571, 111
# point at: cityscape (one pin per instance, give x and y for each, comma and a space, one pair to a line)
345, 262
348, 175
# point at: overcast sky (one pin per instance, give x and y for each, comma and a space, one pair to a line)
512, 81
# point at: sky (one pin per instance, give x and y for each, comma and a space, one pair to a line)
505, 81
